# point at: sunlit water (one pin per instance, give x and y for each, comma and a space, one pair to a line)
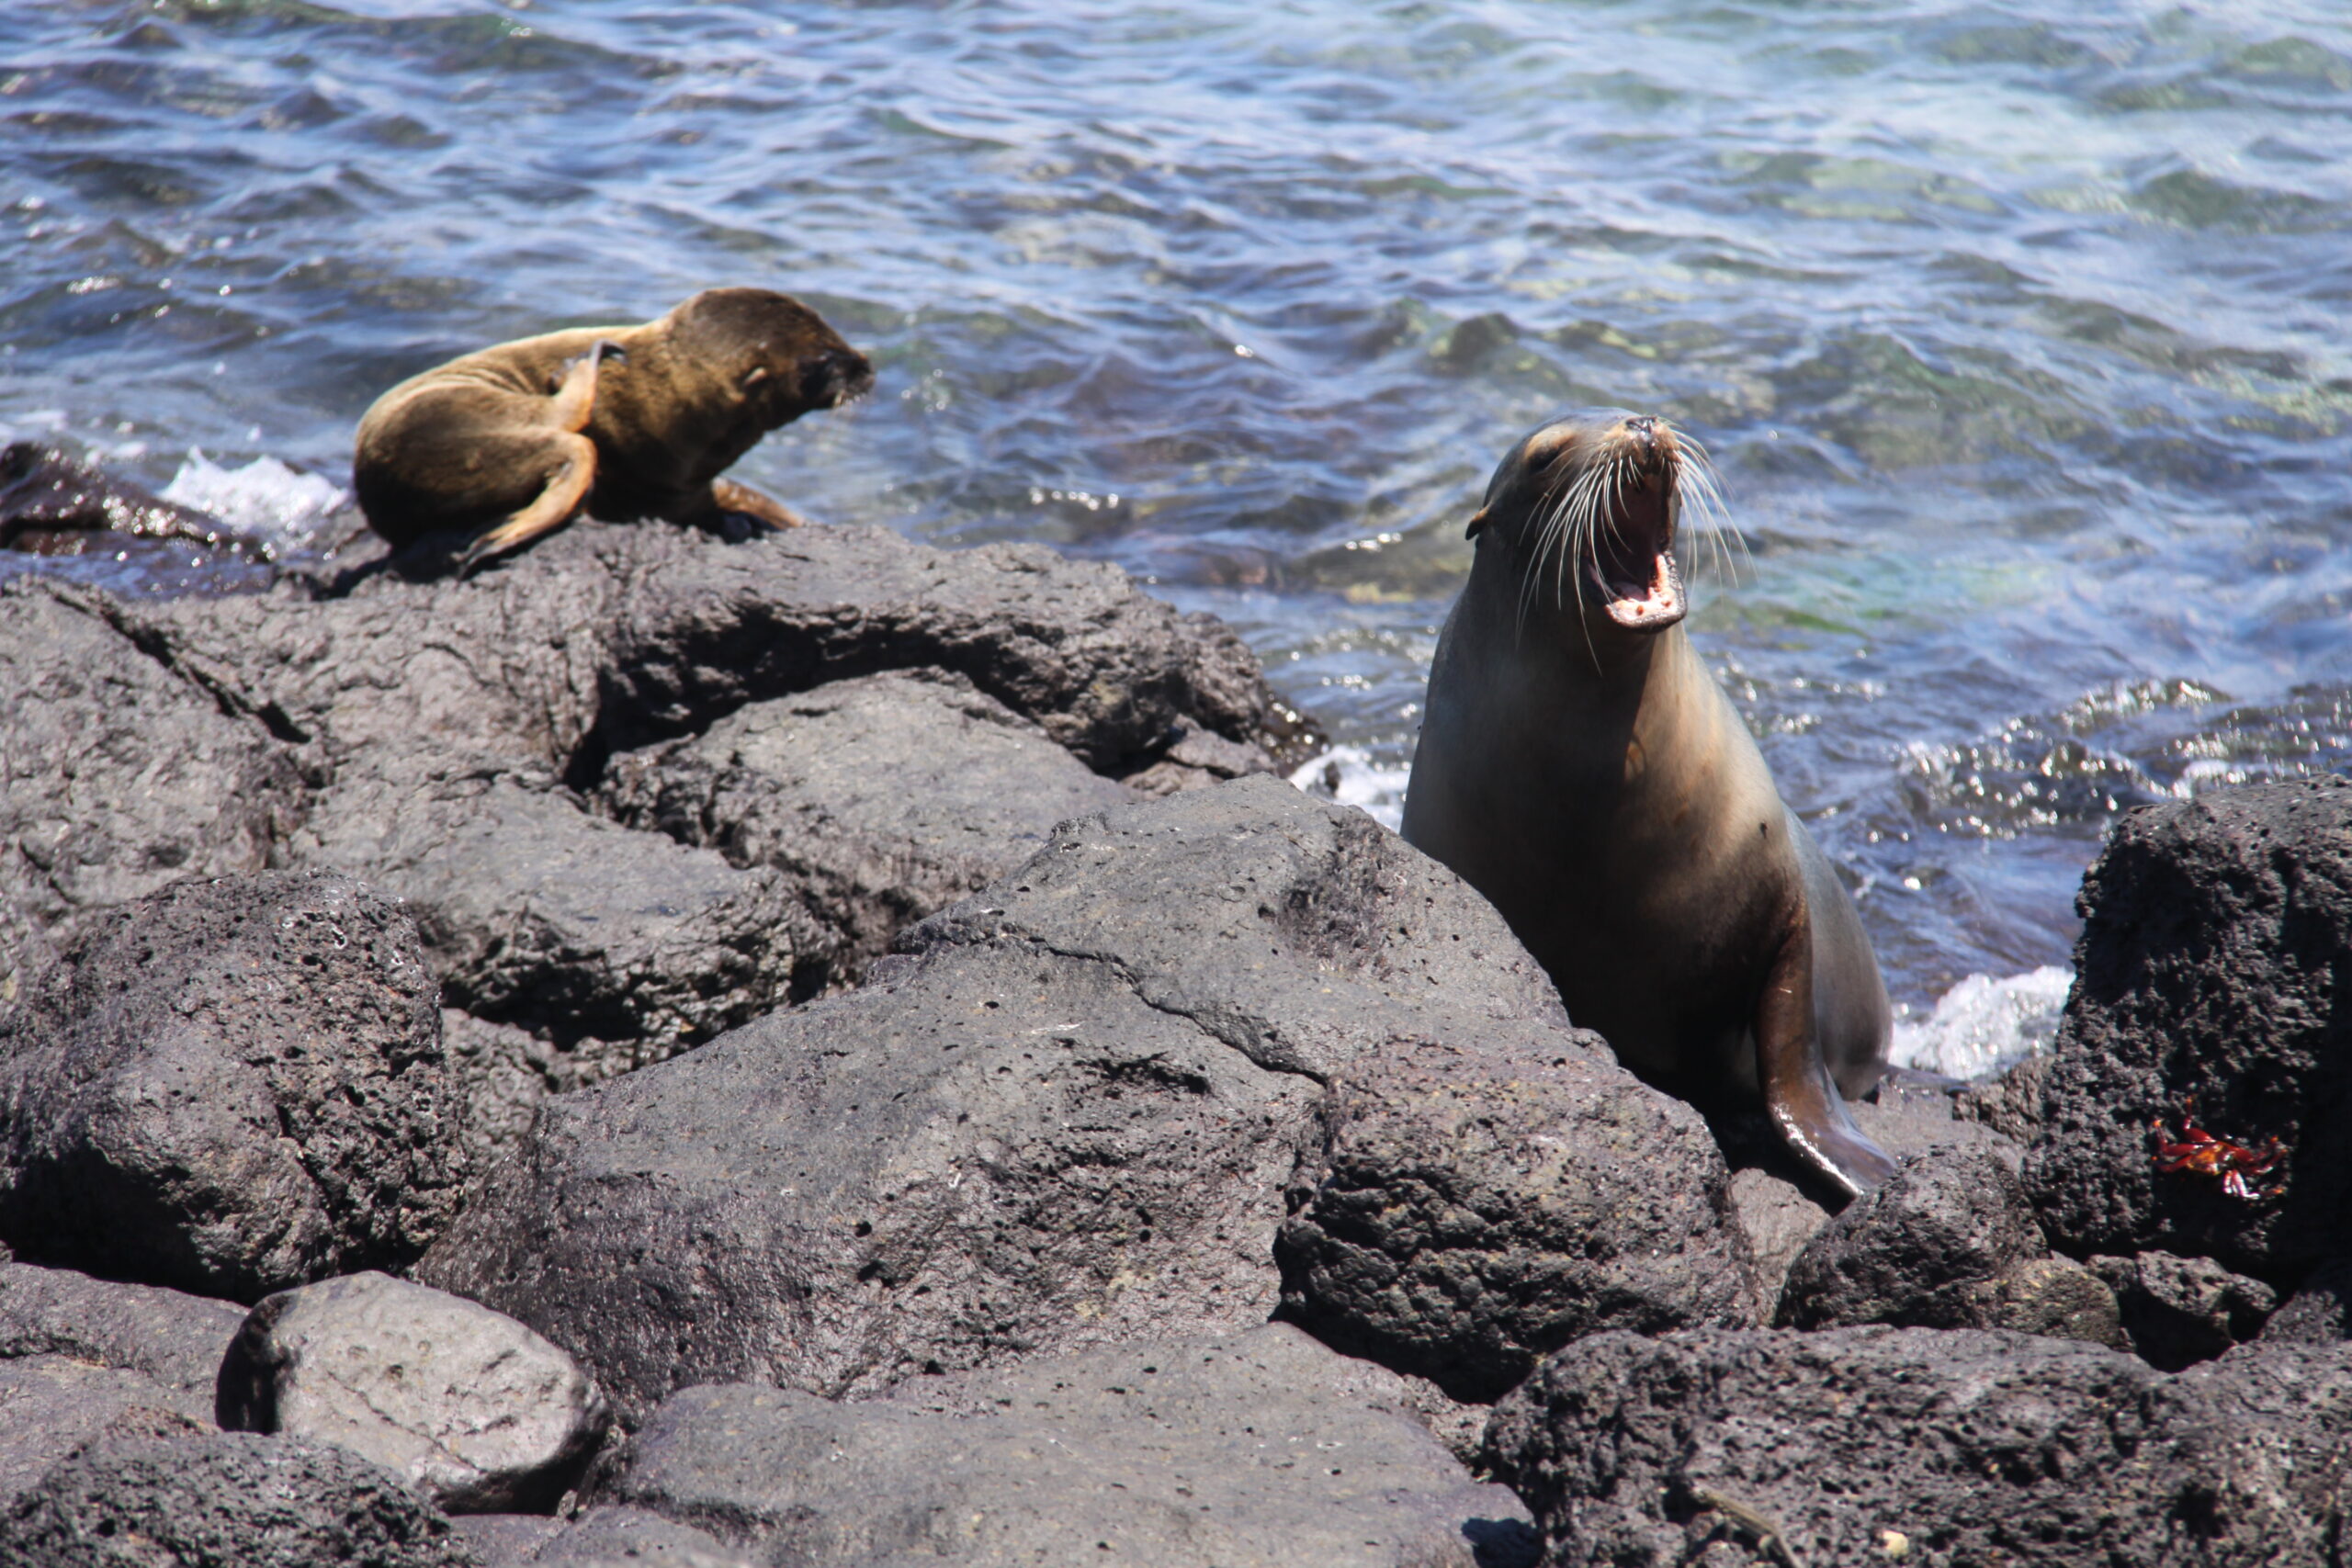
2017, 331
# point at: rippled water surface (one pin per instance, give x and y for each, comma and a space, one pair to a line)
2017, 331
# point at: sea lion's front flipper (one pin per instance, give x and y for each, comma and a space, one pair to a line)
741, 499
1799, 1095
567, 488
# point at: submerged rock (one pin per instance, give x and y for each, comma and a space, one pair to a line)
1218, 1453
2214, 981
233, 1086
466, 1405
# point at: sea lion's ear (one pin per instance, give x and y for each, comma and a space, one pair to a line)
1477, 521
758, 374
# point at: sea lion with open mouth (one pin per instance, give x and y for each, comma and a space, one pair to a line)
1580, 767
504, 445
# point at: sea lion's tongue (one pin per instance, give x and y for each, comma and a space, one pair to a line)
1651, 601
1634, 565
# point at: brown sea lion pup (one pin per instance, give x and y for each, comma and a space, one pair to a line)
1579, 766
622, 421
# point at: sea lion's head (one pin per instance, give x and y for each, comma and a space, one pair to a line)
775, 354
1589, 504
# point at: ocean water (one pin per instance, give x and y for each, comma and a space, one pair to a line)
2016, 329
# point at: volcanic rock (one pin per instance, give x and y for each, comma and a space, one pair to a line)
1473, 1210
175, 1339
877, 801
229, 1086
468, 1406
2213, 983
222, 1498
2178, 1311
1227, 1453
1951, 1446
1066, 1115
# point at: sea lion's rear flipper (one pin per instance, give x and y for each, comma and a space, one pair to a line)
567, 488
743, 500
1798, 1094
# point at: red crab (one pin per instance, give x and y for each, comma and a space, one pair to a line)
2201, 1151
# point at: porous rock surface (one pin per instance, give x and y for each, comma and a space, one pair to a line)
134, 1501
881, 798
173, 1337
466, 1405
1781, 1205
1066, 1113
2178, 1311
620, 1535
1471, 1210
116, 777
445, 741
1227, 1453
227, 1086
1967, 1446
1949, 1242
52, 1406
2214, 978
2320, 1311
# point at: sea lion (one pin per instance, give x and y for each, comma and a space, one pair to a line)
1580, 767
627, 421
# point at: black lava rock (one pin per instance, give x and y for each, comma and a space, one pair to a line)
2213, 980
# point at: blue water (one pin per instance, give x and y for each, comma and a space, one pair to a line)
2017, 331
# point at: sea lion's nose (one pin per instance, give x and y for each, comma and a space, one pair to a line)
1644, 429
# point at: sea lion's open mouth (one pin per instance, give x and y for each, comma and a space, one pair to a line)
835, 376
1633, 558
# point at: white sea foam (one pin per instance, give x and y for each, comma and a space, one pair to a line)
1984, 1025
1349, 775
263, 499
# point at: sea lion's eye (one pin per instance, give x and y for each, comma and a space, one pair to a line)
757, 373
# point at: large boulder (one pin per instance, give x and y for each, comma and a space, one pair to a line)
1876, 1444
117, 775
1207, 1454
1469, 1214
136, 1501
177, 1340
1067, 1114
229, 1086
449, 740
2213, 982
877, 800
466, 1405
609, 638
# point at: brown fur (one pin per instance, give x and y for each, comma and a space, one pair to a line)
629, 422
1580, 767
